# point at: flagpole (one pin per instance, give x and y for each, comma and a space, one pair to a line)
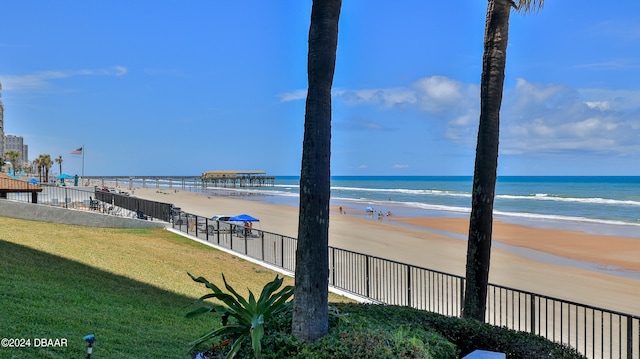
83, 161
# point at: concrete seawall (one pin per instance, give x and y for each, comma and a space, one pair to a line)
44, 213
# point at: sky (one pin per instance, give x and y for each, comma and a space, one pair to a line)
177, 88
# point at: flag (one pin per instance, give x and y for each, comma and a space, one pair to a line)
77, 151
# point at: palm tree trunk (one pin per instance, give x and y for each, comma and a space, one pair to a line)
310, 302
486, 164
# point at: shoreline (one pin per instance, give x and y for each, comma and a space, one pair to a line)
439, 244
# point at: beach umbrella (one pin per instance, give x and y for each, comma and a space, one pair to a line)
65, 176
244, 218
33, 180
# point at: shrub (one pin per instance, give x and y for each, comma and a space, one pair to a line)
354, 338
384, 331
249, 315
468, 335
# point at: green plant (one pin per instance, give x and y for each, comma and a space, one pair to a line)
250, 315
467, 334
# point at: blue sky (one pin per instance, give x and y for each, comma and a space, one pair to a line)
178, 88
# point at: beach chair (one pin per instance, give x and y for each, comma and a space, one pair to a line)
141, 215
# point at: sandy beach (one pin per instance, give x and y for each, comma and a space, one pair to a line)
602, 271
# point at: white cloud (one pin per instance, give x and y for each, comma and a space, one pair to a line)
618, 100
601, 105
43, 79
433, 94
442, 94
387, 98
120, 70
293, 95
555, 118
540, 118
400, 166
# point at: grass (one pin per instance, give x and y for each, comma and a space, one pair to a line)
128, 287
131, 289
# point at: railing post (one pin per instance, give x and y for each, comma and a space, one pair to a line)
461, 305
262, 245
408, 286
218, 231
629, 337
246, 245
186, 223
206, 226
281, 251
532, 310
366, 275
333, 266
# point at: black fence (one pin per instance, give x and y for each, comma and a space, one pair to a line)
595, 332
94, 199
143, 209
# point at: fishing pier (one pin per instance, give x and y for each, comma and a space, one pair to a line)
223, 179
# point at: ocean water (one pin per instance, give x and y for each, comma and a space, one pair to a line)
601, 205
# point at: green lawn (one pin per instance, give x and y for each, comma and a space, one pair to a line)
128, 287
131, 289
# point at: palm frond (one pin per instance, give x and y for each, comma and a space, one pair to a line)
529, 6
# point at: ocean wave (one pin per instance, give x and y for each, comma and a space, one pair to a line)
567, 209
586, 200
402, 191
447, 193
563, 218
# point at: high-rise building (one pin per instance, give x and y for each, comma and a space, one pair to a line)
16, 143
1, 125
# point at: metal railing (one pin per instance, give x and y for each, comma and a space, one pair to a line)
594, 332
66, 197
91, 198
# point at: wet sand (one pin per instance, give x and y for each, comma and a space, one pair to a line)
544, 261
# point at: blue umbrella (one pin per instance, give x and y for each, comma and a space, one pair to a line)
33, 180
244, 218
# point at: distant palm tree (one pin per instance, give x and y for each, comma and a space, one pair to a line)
37, 163
59, 161
310, 302
46, 164
13, 158
486, 163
